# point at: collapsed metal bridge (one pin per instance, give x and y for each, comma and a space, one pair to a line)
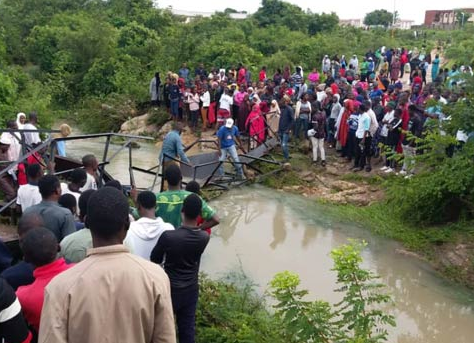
203, 167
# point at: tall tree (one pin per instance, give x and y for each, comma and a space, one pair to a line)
322, 22
276, 12
379, 17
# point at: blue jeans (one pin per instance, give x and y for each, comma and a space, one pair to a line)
301, 124
184, 307
232, 151
175, 107
284, 137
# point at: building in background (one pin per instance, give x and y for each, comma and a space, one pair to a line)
351, 22
445, 19
193, 14
402, 24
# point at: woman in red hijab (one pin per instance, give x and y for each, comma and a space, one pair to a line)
343, 128
256, 125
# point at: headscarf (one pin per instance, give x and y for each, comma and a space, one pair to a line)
275, 107
18, 122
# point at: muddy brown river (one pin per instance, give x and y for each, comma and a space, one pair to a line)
263, 232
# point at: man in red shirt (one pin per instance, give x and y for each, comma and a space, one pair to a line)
40, 248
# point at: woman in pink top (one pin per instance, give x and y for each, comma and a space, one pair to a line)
313, 77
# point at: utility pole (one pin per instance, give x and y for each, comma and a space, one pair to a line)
394, 13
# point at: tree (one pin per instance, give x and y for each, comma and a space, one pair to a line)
322, 22
276, 12
378, 17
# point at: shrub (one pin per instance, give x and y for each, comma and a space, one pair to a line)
105, 115
357, 318
232, 313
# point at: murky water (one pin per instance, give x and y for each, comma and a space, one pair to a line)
145, 157
263, 232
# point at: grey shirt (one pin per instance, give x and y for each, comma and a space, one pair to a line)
56, 218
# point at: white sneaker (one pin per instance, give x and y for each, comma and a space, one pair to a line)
384, 168
403, 172
389, 170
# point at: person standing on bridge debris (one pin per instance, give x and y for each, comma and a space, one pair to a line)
226, 136
173, 146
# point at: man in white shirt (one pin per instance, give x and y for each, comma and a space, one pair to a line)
32, 138
29, 195
90, 166
225, 104
144, 233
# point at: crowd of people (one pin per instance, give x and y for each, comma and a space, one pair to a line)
363, 108
95, 268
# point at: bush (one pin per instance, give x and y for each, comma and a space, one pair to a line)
231, 312
357, 318
105, 115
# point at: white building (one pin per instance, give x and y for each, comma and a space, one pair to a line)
192, 14
404, 24
351, 22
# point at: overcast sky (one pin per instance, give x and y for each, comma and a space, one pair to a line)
408, 9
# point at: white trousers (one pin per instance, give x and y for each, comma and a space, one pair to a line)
318, 144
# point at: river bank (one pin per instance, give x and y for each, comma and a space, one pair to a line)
360, 197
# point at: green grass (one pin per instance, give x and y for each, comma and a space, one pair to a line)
425, 241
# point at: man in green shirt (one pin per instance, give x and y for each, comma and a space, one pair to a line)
170, 203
